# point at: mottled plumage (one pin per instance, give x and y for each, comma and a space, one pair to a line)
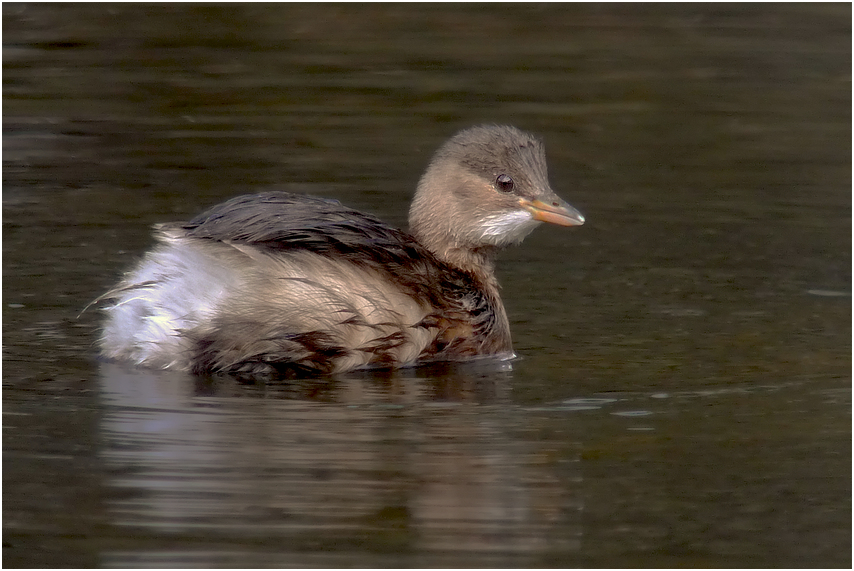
277, 282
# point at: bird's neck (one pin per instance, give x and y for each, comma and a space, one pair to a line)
479, 262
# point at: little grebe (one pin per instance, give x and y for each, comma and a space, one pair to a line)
277, 282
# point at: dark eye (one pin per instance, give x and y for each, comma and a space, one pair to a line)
504, 183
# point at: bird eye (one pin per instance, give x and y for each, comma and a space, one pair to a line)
504, 183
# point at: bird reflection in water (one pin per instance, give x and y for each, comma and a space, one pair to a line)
430, 462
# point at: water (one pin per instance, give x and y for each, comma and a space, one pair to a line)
683, 392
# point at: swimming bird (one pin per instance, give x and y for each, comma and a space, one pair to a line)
280, 283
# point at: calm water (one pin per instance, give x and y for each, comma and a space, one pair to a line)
683, 392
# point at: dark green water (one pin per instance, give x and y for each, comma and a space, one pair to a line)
683, 393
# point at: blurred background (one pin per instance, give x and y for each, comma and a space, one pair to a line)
682, 395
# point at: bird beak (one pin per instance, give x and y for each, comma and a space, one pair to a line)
555, 211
